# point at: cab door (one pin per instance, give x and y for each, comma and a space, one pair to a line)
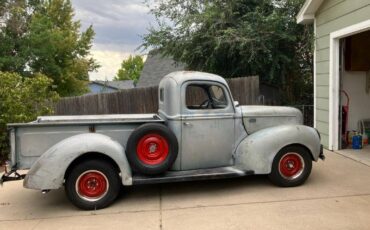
207, 126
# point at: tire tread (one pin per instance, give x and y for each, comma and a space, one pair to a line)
132, 142
275, 176
93, 164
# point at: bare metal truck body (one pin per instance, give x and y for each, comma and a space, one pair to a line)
215, 138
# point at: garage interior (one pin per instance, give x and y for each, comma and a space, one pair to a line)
354, 113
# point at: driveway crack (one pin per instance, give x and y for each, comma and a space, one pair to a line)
160, 208
37, 224
190, 207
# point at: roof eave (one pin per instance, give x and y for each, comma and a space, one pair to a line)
307, 13
305, 19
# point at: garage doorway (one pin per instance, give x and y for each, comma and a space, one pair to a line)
353, 93
337, 68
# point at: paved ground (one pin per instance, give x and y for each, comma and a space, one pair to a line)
361, 155
336, 196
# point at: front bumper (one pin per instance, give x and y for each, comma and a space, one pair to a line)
321, 155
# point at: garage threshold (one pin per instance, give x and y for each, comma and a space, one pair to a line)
360, 155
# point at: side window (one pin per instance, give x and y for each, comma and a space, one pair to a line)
205, 96
218, 97
196, 95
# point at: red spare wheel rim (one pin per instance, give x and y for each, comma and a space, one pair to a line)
291, 166
92, 185
152, 149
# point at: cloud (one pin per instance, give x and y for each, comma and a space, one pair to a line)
110, 62
119, 25
110, 58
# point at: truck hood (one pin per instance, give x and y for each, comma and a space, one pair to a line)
260, 117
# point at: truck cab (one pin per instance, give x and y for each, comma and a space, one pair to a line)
199, 108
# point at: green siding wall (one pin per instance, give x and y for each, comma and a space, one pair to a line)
322, 55
332, 15
322, 79
322, 104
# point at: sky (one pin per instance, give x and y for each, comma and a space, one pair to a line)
118, 25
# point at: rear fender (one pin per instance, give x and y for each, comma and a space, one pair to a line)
49, 170
257, 151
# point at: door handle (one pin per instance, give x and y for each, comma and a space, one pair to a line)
187, 124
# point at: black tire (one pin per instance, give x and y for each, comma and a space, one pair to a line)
287, 171
104, 173
162, 160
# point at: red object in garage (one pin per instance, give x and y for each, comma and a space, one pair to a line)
345, 112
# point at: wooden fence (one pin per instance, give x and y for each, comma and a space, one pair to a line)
144, 100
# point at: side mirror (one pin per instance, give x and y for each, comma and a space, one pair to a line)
236, 103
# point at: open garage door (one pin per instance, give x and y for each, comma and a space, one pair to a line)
354, 96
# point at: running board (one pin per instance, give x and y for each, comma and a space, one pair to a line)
190, 175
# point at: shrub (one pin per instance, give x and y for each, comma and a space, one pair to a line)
22, 100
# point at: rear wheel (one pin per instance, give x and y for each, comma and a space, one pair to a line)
92, 185
291, 166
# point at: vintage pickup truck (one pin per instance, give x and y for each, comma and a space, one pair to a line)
191, 138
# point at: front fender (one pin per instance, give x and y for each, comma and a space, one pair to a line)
257, 151
49, 170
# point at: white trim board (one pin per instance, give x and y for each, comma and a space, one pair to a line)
334, 78
314, 79
307, 13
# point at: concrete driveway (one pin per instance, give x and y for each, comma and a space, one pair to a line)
336, 196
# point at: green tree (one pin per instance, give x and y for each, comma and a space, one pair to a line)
130, 69
14, 21
22, 100
40, 36
236, 38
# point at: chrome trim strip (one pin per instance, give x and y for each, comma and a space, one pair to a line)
83, 123
206, 117
259, 116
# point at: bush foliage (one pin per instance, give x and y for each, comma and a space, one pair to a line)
130, 69
237, 38
41, 36
22, 100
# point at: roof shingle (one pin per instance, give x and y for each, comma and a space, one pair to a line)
156, 67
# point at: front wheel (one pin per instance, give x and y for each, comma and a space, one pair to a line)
92, 185
291, 166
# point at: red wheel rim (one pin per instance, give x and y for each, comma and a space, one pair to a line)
92, 185
152, 149
291, 165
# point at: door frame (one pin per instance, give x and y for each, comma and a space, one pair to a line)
190, 116
334, 78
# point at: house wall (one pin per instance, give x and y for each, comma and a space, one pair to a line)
332, 15
96, 88
359, 106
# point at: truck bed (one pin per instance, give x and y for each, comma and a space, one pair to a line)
30, 140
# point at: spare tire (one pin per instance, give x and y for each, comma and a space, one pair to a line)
152, 149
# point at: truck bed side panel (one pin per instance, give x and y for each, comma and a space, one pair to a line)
32, 141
